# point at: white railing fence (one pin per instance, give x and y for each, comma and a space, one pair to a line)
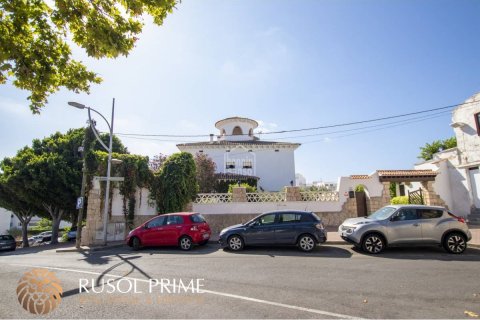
260, 197
212, 198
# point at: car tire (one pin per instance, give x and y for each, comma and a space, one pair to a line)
185, 243
455, 243
235, 243
306, 243
373, 243
136, 244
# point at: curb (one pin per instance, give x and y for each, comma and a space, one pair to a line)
90, 249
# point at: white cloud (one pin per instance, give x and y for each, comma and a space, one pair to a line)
265, 127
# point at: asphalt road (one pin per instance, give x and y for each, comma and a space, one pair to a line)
331, 282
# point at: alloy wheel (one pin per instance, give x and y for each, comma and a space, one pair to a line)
185, 243
373, 244
235, 243
456, 244
306, 243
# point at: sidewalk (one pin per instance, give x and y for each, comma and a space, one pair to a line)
110, 245
334, 238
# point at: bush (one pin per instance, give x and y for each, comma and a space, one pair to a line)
244, 185
65, 234
360, 188
399, 200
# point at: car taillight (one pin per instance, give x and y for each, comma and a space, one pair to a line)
459, 219
194, 228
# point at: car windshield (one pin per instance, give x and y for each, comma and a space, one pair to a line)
382, 213
6, 237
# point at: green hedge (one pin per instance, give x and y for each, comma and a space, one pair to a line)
399, 200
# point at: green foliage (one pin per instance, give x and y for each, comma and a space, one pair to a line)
393, 189
134, 168
399, 200
34, 40
65, 234
205, 168
249, 188
175, 184
427, 151
360, 188
44, 223
222, 186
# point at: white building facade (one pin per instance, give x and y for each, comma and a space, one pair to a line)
237, 151
458, 181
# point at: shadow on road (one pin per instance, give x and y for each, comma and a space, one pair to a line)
291, 251
36, 249
424, 253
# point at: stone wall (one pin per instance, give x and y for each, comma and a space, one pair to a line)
430, 197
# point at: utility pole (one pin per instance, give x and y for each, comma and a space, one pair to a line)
78, 240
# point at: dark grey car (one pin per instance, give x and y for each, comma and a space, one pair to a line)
7, 242
301, 228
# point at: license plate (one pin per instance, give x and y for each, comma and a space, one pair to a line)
205, 236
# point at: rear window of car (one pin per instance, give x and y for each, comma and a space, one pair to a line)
197, 218
289, 217
429, 213
6, 237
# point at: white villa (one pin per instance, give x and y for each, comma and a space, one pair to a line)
239, 154
458, 179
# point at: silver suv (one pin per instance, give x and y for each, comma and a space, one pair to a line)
406, 225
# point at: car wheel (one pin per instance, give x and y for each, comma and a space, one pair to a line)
455, 243
136, 244
185, 243
235, 243
306, 243
373, 243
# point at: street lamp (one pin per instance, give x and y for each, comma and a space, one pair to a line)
109, 162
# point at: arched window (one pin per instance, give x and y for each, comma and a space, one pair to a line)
224, 133
250, 132
237, 131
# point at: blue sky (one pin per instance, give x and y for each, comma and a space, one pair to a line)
290, 64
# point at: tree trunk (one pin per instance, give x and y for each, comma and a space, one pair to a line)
25, 233
55, 226
56, 214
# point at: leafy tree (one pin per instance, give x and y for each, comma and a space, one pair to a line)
35, 34
48, 175
175, 184
13, 202
427, 151
205, 168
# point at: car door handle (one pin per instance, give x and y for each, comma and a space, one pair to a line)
178, 227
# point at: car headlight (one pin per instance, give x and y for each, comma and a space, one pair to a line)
350, 230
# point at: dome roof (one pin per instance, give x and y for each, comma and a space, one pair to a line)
221, 123
475, 97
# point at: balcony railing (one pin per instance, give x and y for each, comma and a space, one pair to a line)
260, 197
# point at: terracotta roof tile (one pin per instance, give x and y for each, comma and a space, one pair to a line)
406, 173
359, 176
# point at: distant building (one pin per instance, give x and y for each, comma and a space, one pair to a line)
328, 186
237, 152
300, 180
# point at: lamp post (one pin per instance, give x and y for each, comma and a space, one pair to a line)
109, 161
